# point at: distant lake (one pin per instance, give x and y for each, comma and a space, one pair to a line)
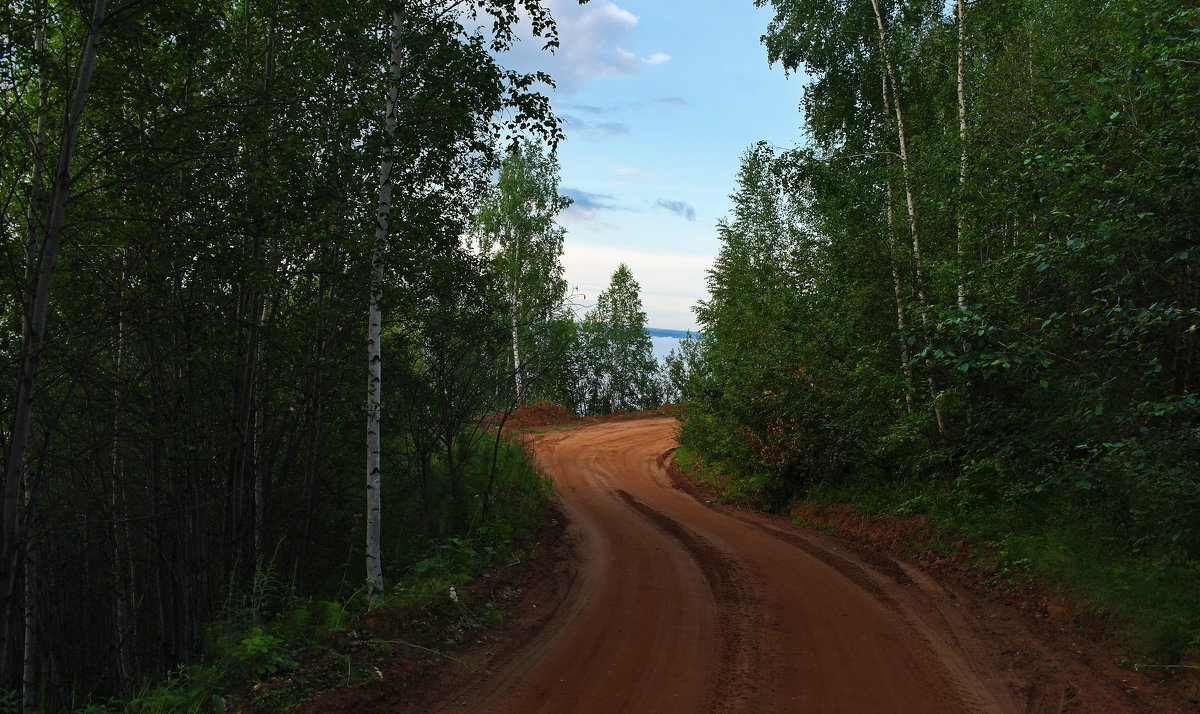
666, 340
677, 334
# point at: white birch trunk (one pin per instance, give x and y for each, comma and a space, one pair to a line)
910, 201
901, 317
375, 324
35, 335
518, 368
902, 137
39, 159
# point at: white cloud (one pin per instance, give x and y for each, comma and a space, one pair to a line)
671, 283
594, 41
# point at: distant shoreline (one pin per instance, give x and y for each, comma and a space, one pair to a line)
677, 334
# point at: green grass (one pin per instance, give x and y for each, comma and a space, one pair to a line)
747, 490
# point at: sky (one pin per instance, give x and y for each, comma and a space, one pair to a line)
659, 100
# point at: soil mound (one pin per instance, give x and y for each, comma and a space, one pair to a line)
541, 414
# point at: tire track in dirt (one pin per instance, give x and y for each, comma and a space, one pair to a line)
739, 612
894, 587
683, 608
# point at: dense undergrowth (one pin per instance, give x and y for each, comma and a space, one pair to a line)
974, 292
271, 650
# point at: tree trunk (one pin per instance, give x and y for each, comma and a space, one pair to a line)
256, 460
375, 321
39, 160
901, 317
29, 622
123, 592
29, 688
910, 201
518, 368
313, 421
962, 159
35, 337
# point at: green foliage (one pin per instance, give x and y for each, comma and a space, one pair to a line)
194, 689
995, 324
199, 401
261, 655
266, 631
493, 488
1150, 603
615, 358
516, 233
10, 701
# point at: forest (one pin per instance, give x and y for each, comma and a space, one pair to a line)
275, 271
249, 247
971, 294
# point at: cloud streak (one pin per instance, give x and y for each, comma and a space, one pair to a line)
638, 174
593, 131
585, 205
683, 209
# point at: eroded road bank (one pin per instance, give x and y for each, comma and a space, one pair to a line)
680, 607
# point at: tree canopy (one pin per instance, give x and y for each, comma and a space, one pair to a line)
618, 369
979, 271
187, 211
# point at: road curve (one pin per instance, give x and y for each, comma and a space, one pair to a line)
682, 607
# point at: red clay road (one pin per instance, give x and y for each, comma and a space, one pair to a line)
681, 607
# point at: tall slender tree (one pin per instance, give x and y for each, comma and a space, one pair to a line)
16, 518
515, 229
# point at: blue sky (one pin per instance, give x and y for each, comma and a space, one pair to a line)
660, 98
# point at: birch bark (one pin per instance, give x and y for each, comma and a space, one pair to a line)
518, 368
39, 159
375, 320
901, 317
910, 201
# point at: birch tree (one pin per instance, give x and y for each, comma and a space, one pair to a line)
192, 409
851, 50
515, 230
442, 117
374, 564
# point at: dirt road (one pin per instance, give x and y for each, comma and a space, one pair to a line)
680, 607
